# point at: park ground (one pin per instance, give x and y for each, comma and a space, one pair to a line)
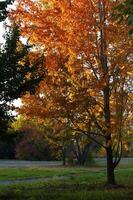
20, 180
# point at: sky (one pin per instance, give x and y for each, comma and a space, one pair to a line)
17, 103
2, 31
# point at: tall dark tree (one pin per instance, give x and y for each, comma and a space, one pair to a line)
18, 73
3, 8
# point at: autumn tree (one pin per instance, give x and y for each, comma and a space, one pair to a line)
33, 144
81, 39
61, 102
37, 139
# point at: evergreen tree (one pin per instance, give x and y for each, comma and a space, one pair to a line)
3, 9
18, 73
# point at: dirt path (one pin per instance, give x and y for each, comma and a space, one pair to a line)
31, 180
11, 182
23, 163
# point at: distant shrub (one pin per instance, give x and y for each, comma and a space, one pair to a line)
33, 145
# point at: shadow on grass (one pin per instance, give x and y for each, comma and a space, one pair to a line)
68, 191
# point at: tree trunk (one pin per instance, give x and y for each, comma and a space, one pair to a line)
110, 167
81, 159
64, 156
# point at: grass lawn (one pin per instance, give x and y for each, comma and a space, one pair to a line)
65, 184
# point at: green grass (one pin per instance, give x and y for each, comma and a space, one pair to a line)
65, 184
29, 172
66, 195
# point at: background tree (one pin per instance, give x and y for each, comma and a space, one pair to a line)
3, 8
35, 140
124, 11
19, 72
33, 145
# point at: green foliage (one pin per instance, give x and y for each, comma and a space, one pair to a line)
3, 8
124, 11
16, 68
130, 20
18, 74
131, 32
4, 118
